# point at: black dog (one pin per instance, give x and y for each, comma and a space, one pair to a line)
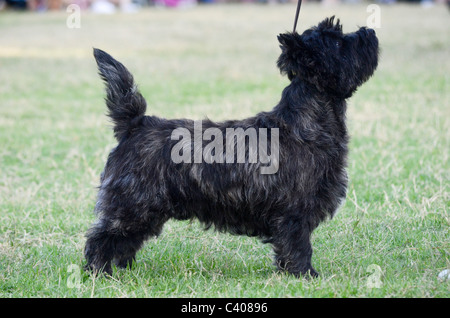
153, 175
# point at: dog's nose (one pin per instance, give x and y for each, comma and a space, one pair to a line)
367, 32
370, 31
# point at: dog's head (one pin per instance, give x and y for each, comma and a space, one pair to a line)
329, 59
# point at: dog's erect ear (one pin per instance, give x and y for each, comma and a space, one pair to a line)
294, 55
330, 24
287, 40
290, 42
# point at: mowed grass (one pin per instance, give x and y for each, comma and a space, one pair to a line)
390, 238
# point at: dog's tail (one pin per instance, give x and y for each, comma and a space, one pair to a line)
126, 106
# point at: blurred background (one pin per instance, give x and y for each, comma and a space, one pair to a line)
109, 6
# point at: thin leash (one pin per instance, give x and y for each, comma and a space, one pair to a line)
299, 4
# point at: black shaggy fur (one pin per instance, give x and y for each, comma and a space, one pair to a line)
141, 187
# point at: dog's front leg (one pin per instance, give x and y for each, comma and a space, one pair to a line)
292, 246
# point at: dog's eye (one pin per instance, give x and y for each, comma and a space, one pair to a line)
338, 43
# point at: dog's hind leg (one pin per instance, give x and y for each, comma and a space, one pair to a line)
99, 248
116, 242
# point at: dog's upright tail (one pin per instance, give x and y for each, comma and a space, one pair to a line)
126, 106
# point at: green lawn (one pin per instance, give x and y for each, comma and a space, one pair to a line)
390, 239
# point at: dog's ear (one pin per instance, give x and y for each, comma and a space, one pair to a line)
289, 40
330, 24
302, 58
295, 57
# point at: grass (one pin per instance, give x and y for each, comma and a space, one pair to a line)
219, 61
